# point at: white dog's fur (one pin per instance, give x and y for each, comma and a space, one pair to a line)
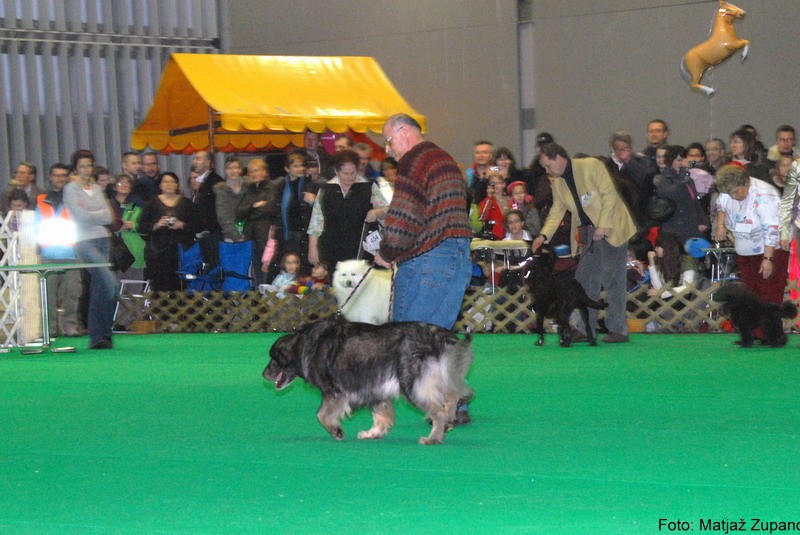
370, 304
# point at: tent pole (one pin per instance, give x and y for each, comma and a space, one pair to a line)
211, 147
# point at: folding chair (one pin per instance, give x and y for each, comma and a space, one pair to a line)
122, 314
194, 272
235, 261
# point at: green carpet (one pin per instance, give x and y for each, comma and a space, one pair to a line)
179, 434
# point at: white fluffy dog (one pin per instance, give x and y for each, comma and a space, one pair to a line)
370, 302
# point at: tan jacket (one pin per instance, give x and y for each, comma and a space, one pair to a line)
600, 200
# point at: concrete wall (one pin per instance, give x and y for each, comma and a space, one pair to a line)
454, 61
600, 65
609, 64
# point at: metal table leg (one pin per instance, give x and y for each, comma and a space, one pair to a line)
45, 322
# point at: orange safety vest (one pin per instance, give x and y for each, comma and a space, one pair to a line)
46, 211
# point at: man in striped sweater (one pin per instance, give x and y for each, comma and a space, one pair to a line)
426, 232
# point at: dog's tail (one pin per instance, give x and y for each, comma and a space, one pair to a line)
458, 363
788, 310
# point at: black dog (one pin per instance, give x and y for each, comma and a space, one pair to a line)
358, 364
555, 295
748, 312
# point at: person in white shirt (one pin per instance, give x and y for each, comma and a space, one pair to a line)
748, 209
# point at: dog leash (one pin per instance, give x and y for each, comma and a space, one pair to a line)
391, 295
349, 297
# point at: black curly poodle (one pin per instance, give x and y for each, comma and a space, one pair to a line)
749, 313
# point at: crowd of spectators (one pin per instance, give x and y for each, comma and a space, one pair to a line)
318, 211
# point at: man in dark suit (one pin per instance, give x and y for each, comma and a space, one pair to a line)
205, 208
636, 170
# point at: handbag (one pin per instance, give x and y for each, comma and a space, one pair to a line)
659, 209
120, 256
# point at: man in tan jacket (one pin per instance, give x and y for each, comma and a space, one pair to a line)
604, 255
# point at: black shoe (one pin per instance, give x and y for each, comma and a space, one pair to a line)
102, 344
615, 338
578, 336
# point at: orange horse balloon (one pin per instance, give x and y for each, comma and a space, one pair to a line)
722, 43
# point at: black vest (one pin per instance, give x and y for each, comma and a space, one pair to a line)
344, 221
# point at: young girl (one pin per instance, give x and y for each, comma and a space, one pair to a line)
669, 265
317, 281
781, 171
491, 208
520, 200
515, 223
290, 271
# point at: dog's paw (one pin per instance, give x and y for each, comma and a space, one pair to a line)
371, 434
540, 341
427, 441
337, 433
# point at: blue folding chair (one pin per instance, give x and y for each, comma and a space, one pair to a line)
195, 273
235, 260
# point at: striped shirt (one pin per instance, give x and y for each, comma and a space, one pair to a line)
429, 204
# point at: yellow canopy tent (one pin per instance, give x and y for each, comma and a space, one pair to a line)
247, 103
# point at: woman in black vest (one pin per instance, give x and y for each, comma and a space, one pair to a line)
341, 207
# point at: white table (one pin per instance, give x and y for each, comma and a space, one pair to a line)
44, 271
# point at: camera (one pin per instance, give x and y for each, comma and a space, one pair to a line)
171, 221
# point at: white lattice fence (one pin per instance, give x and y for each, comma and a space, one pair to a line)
20, 318
693, 311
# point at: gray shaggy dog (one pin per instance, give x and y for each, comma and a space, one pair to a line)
361, 365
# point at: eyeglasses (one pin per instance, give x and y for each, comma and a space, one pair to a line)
388, 140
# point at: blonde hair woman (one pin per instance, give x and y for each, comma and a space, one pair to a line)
258, 208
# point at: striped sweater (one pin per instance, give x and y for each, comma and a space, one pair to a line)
429, 204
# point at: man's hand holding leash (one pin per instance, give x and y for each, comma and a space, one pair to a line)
381, 262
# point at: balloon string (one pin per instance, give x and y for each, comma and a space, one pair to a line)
711, 106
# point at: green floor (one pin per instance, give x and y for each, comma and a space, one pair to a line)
179, 434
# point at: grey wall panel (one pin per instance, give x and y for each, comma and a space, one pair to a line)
620, 67
453, 60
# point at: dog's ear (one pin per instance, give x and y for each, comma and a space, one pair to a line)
277, 352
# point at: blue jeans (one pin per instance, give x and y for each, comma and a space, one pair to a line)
430, 287
102, 288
